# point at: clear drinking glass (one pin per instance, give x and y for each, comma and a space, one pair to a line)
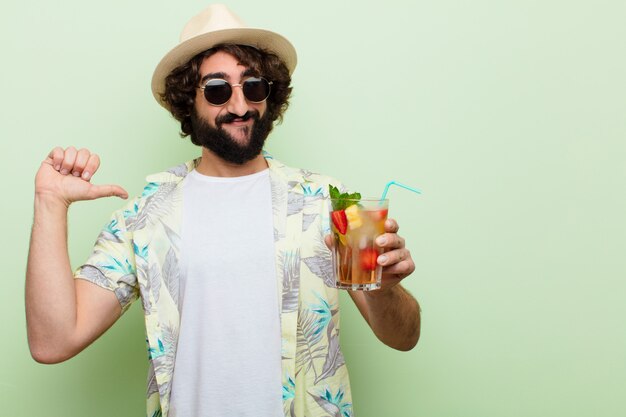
354, 253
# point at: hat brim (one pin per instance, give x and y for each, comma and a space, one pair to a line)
258, 38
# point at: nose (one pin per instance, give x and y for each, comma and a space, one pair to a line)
237, 104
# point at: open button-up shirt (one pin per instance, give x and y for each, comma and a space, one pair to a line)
137, 255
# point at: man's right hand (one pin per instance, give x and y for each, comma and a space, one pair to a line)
63, 314
65, 176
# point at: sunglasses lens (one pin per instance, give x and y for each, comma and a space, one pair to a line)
256, 89
217, 92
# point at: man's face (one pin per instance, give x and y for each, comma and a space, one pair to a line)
236, 130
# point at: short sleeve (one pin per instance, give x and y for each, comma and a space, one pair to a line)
111, 264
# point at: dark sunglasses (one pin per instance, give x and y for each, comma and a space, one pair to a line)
255, 89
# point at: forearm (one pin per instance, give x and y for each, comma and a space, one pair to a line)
50, 289
394, 316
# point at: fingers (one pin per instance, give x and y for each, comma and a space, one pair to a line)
71, 182
99, 191
390, 241
55, 158
79, 163
92, 165
82, 156
397, 262
328, 239
394, 257
69, 158
391, 226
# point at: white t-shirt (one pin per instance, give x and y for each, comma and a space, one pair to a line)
228, 360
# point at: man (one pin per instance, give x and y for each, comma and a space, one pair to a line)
227, 252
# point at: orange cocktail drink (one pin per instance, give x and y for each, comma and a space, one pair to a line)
355, 224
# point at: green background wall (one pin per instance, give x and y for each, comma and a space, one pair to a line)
509, 115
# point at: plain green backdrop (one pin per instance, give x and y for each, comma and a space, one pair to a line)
509, 115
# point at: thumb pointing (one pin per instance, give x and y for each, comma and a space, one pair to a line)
99, 191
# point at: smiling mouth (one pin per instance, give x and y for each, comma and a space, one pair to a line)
240, 121
239, 129
233, 119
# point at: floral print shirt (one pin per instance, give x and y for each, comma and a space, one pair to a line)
137, 256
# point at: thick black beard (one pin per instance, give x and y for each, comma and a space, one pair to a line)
222, 144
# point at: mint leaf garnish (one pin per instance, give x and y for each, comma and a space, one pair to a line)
342, 200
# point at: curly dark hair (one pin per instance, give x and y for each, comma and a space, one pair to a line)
181, 83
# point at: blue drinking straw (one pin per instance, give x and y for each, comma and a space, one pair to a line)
390, 183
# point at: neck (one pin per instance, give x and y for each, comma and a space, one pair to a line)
212, 165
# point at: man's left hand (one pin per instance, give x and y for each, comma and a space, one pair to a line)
391, 312
396, 260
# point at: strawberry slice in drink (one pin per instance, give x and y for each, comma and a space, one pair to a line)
340, 221
368, 257
377, 215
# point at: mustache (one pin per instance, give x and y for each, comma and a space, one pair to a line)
231, 117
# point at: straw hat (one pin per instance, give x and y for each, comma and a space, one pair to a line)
213, 26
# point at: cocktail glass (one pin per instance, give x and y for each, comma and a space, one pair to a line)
354, 251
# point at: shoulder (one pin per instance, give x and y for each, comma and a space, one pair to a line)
310, 182
156, 191
174, 174
164, 182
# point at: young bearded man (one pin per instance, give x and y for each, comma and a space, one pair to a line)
228, 253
